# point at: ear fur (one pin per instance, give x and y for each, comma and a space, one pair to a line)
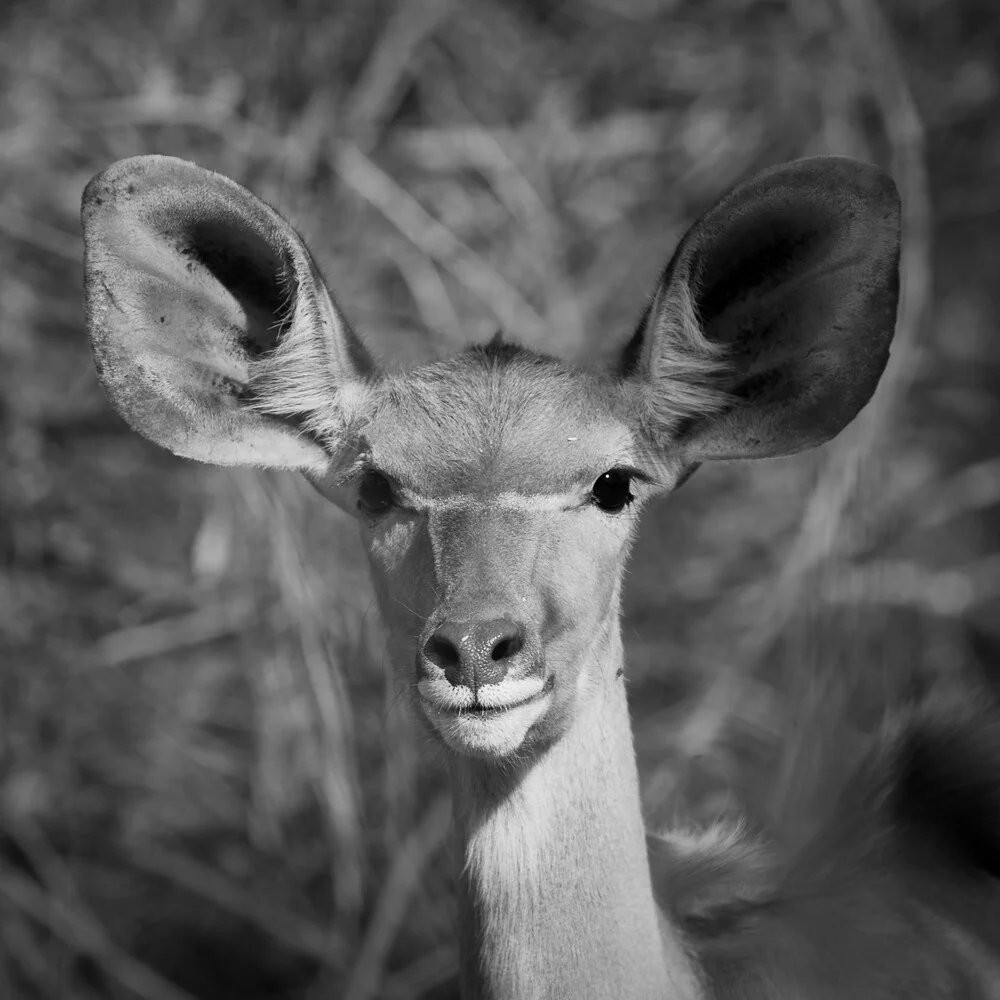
772, 322
199, 298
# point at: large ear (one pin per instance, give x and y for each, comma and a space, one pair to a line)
772, 323
193, 287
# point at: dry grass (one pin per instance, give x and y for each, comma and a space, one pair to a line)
207, 786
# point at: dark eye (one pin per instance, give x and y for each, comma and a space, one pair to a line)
611, 491
374, 493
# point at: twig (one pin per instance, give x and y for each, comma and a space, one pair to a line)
379, 90
422, 976
294, 932
397, 890
620, 136
948, 593
87, 936
974, 488
430, 295
373, 184
20, 949
337, 785
41, 235
529, 202
168, 635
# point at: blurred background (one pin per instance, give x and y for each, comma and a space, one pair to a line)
208, 787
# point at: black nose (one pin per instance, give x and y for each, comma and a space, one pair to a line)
474, 653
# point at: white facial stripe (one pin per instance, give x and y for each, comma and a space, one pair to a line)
510, 691
528, 502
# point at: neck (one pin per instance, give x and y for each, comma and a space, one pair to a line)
555, 894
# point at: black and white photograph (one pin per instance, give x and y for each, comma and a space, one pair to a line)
500, 500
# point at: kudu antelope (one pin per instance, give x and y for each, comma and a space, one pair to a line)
497, 493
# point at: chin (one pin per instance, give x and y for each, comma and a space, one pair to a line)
493, 734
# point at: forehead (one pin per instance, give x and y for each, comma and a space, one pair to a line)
497, 420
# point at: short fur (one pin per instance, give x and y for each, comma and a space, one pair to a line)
687, 379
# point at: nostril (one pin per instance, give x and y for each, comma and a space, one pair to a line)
506, 647
474, 653
441, 652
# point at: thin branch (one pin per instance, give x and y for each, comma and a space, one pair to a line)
621, 136
435, 239
41, 235
294, 932
86, 935
430, 295
423, 975
169, 635
383, 81
400, 884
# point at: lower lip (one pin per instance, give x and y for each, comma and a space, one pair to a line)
492, 733
487, 712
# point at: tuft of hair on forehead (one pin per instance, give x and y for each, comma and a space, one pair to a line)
498, 353
686, 373
496, 382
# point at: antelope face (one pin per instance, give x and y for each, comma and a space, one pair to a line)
498, 493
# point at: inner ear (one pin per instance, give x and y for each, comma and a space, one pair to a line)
772, 322
752, 260
252, 272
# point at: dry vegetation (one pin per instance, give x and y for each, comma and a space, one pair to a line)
208, 787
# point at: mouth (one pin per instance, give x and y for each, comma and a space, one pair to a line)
488, 729
488, 711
